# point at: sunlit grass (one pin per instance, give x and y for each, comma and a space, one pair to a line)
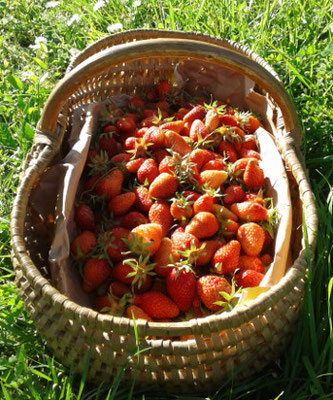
36, 42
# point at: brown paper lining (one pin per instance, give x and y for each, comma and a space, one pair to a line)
55, 193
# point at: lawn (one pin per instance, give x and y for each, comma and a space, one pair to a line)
37, 40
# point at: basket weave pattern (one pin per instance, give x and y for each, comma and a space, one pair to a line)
247, 338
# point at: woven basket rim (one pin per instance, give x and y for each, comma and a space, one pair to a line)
221, 321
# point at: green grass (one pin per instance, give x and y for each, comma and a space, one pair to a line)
296, 39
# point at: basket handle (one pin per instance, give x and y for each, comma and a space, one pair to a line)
119, 54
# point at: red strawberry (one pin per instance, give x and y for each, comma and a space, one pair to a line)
159, 155
233, 194
163, 88
159, 213
197, 112
251, 262
154, 138
203, 225
175, 126
143, 201
216, 165
121, 158
110, 128
191, 196
126, 124
248, 278
157, 305
148, 171
163, 257
228, 227
83, 244
152, 95
213, 179
253, 176
112, 242
239, 166
226, 258
206, 254
177, 143
209, 288
119, 289
250, 211
228, 151
246, 153
266, 259
249, 143
103, 303
252, 237
90, 183
182, 240
150, 235
110, 185
181, 209
137, 313
228, 120
133, 165
134, 273
84, 217
201, 156
212, 120
108, 143
167, 165
252, 124
163, 186
95, 272
198, 129
181, 286
120, 204
136, 104
203, 203
133, 219
162, 105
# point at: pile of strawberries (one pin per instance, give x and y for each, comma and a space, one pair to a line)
171, 212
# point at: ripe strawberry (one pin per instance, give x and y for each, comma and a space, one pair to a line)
209, 288
212, 120
201, 156
164, 185
203, 225
83, 244
177, 143
119, 289
133, 165
249, 143
121, 158
180, 114
159, 155
163, 257
167, 165
250, 211
222, 212
133, 219
213, 179
137, 313
133, 272
191, 196
182, 240
110, 185
136, 104
197, 112
113, 244
253, 176
186, 130
256, 197
163, 88
216, 165
252, 237
248, 278
268, 239
175, 126
148, 171
108, 143
181, 287
110, 128
198, 129
162, 105
203, 203
84, 217
228, 120
143, 201
233, 194
157, 305
139, 133
95, 272
133, 143
239, 166
226, 258
103, 304
181, 208
252, 124
228, 227
159, 213
206, 254
228, 151
251, 262
246, 153
159, 285
154, 138
126, 124
146, 238
266, 259
151, 96
90, 183
120, 204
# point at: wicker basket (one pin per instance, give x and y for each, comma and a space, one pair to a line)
244, 340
